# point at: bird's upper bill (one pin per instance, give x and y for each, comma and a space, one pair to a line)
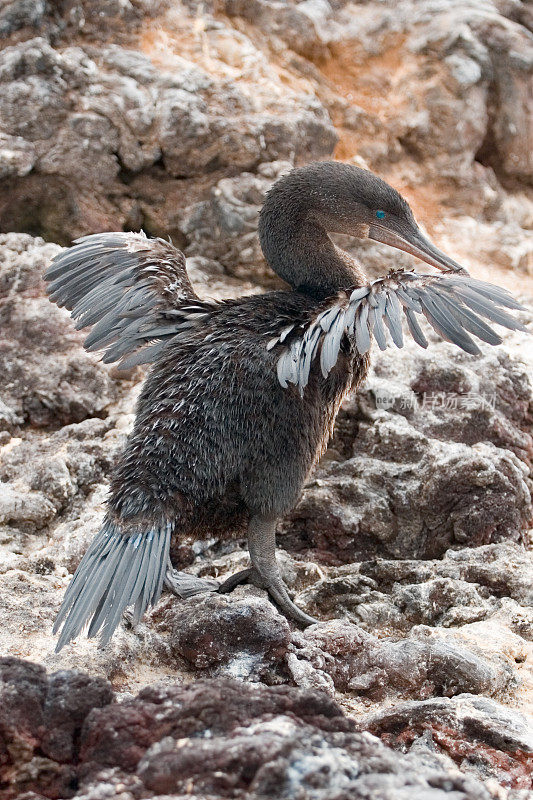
410, 239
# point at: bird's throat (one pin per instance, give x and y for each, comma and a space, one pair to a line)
303, 255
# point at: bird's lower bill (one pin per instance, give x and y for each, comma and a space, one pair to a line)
417, 245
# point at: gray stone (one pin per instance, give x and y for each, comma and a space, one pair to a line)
16, 14
424, 664
81, 117
224, 227
47, 378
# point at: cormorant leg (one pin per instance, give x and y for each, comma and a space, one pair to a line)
264, 572
184, 585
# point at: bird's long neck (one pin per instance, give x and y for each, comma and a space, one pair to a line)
298, 248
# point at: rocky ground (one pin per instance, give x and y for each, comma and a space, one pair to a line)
411, 540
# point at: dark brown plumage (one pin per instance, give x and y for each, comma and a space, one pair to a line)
243, 394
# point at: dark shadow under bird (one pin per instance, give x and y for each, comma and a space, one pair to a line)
242, 394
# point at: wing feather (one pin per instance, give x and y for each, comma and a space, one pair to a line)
487, 308
393, 318
131, 289
494, 293
470, 321
440, 324
331, 344
310, 344
452, 305
455, 333
375, 323
415, 329
362, 334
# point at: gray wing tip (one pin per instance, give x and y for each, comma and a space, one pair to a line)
455, 306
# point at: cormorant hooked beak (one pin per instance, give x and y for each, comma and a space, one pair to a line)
412, 240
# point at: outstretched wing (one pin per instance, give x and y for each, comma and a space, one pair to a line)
453, 305
134, 291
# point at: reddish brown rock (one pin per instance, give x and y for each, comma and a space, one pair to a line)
477, 733
23, 692
120, 734
224, 738
70, 697
40, 723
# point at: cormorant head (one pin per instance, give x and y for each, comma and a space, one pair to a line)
343, 198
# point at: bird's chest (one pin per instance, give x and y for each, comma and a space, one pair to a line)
347, 375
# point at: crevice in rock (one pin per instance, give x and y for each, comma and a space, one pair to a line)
37, 205
488, 153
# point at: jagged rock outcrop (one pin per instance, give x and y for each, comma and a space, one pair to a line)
132, 134
63, 736
96, 115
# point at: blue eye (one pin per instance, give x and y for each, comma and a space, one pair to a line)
380, 214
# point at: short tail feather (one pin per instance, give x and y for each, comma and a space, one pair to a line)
117, 571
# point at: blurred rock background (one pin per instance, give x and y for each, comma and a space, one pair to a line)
411, 539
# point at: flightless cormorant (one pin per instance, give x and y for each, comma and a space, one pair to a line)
242, 394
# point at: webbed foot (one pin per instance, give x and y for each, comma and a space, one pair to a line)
265, 575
